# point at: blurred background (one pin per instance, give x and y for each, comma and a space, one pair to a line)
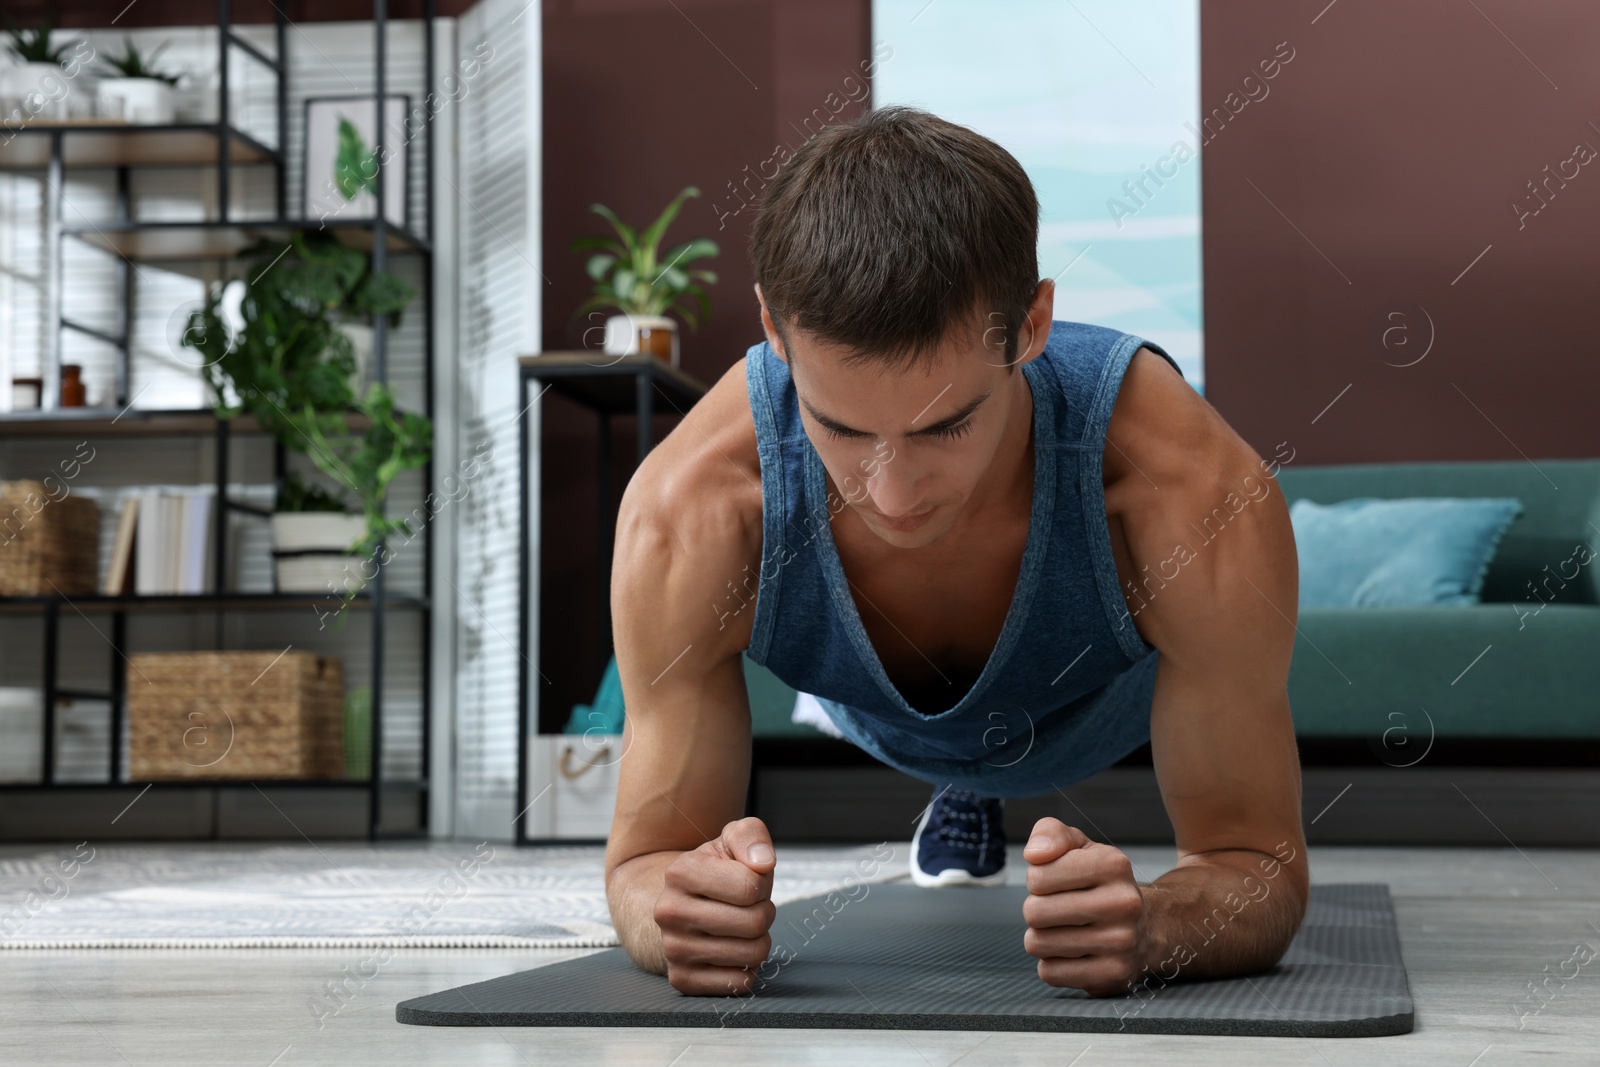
1365, 231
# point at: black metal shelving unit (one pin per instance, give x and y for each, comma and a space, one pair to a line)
54, 148
609, 386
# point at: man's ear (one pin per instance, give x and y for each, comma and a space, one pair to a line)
1036, 326
769, 326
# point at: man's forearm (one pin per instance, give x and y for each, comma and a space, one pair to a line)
631, 892
1224, 914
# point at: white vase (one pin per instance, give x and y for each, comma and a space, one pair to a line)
39, 91
144, 101
311, 552
623, 333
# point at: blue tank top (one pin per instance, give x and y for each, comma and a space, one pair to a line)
1067, 644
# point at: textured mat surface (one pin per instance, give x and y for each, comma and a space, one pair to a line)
898, 956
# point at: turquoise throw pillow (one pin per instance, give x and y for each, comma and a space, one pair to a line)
1414, 552
605, 715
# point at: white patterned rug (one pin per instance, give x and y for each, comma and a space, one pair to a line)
434, 895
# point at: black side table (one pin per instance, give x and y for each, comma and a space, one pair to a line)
609, 385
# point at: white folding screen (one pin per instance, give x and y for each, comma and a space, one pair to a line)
496, 201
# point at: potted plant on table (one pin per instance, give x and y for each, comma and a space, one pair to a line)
37, 79
643, 285
289, 364
145, 94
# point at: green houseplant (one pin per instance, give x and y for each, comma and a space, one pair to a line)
131, 64
290, 365
38, 77
144, 94
33, 46
643, 285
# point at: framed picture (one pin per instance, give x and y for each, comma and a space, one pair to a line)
340, 165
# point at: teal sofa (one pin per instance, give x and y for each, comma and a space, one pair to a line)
1510, 667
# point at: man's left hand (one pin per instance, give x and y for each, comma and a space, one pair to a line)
1085, 912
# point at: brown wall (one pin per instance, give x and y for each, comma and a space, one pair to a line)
1395, 142
641, 98
1340, 211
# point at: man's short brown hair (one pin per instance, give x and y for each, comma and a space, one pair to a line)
882, 234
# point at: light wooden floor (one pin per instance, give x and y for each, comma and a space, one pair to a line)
1477, 924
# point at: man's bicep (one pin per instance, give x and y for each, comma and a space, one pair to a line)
1222, 737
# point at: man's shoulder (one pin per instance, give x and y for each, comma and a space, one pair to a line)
1160, 422
691, 513
1169, 455
1175, 475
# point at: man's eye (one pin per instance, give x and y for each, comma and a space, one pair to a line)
837, 436
951, 432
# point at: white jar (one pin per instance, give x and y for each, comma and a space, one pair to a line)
40, 90
144, 101
623, 332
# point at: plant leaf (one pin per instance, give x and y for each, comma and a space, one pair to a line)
598, 303
652, 236
686, 253
622, 282
630, 240
354, 168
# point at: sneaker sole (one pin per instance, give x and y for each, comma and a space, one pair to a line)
955, 876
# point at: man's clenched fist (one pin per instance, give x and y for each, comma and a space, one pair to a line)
1085, 912
715, 910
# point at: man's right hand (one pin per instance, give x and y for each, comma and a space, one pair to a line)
715, 911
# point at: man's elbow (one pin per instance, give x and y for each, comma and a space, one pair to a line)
1294, 893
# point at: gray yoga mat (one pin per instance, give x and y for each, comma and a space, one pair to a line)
952, 959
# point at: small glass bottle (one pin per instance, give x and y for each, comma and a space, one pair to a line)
72, 390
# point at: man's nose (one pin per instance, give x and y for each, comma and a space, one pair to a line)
893, 485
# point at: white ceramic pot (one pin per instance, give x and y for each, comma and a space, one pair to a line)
39, 90
145, 101
324, 574
311, 549
628, 335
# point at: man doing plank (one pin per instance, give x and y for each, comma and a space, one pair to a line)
956, 513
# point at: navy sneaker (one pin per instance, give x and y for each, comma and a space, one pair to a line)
961, 840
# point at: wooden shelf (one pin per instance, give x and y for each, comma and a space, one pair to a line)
245, 783
13, 605
136, 422
102, 143
208, 241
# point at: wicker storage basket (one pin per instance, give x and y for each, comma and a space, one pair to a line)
47, 545
235, 715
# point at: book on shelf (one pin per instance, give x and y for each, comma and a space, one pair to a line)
172, 546
195, 559
118, 570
